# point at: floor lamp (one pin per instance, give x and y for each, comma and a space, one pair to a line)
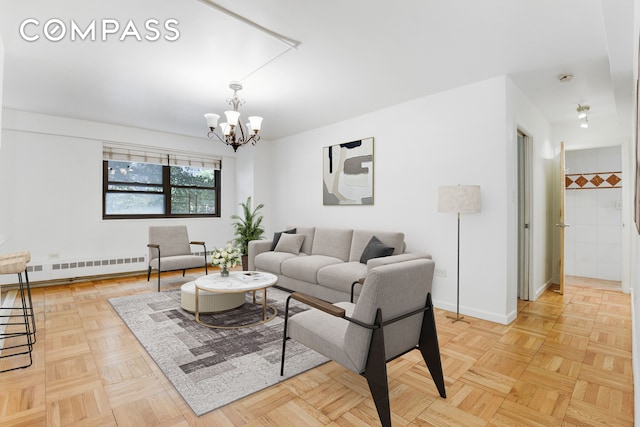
459, 199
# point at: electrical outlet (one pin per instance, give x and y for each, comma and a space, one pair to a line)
441, 273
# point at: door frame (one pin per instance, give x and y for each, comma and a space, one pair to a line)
561, 225
525, 189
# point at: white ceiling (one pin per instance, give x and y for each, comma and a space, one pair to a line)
355, 56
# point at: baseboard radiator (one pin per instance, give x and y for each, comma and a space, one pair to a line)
71, 270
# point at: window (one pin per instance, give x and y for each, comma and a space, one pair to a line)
137, 189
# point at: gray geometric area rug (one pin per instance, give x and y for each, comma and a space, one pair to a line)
213, 367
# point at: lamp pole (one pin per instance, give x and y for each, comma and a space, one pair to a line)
459, 199
458, 318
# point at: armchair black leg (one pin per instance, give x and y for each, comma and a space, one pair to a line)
284, 337
430, 349
376, 373
206, 270
158, 280
148, 273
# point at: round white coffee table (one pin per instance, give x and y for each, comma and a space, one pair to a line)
238, 282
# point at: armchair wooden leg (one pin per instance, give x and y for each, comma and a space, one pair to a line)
376, 373
430, 349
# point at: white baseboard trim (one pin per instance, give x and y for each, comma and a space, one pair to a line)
541, 290
503, 319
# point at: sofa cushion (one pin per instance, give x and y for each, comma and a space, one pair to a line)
271, 261
173, 240
362, 237
332, 242
178, 262
306, 267
290, 243
375, 249
341, 276
276, 237
308, 237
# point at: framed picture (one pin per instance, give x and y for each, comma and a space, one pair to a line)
347, 176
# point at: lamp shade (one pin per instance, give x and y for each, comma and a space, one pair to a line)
255, 123
459, 199
212, 120
232, 117
226, 129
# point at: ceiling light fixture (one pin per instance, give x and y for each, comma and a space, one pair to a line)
233, 133
565, 77
583, 115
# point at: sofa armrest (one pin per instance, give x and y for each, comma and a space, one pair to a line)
392, 259
257, 247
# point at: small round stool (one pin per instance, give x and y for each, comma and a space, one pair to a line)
209, 302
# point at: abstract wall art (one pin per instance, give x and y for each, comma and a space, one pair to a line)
347, 176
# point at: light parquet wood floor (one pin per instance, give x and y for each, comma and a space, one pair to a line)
565, 361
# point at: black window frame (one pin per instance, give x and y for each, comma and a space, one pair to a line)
166, 191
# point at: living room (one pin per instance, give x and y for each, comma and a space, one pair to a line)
463, 134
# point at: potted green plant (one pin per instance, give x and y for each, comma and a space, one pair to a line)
247, 227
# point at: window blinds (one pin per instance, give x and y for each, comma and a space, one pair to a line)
155, 155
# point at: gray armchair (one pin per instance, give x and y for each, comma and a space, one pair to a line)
393, 315
170, 250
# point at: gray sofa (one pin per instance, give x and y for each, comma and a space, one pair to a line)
328, 260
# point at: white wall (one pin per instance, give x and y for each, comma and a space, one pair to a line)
51, 175
439, 145
524, 116
1, 85
244, 176
593, 243
629, 157
3, 228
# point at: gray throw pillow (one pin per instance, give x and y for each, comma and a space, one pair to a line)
375, 249
276, 237
290, 243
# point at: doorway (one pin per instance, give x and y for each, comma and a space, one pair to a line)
524, 215
593, 246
